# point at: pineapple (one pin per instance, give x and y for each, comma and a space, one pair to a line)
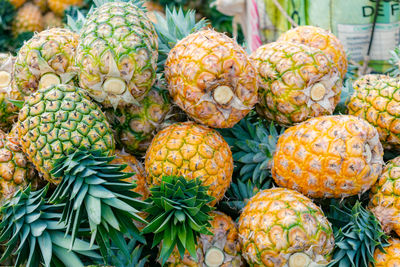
17, 3
153, 8
211, 78
384, 197
58, 119
136, 168
8, 111
296, 82
377, 100
117, 54
59, 6
321, 39
328, 157
51, 20
220, 249
136, 125
42, 4
28, 19
193, 151
46, 59
281, 227
390, 257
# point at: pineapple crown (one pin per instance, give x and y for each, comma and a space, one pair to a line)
118, 259
31, 231
253, 145
394, 60
178, 215
347, 92
175, 26
91, 188
357, 234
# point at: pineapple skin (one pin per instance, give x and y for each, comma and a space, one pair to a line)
376, 99
225, 237
392, 256
117, 41
278, 222
50, 51
321, 39
288, 73
59, 6
28, 19
59, 119
201, 62
193, 151
328, 157
385, 197
51, 20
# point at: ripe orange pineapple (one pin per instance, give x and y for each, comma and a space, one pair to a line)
296, 82
193, 151
321, 39
28, 19
329, 156
220, 249
391, 256
211, 78
281, 227
59, 6
42, 4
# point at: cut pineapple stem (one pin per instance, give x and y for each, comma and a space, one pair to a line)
299, 259
368, 153
223, 94
318, 92
214, 257
114, 85
5, 78
49, 79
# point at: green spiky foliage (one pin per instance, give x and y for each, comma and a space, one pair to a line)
93, 188
347, 92
31, 231
7, 13
253, 144
175, 26
118, 259
394, 60
178, 214
357, 234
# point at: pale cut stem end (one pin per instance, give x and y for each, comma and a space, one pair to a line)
318, 92
5, 79
214, 257
49, 79
368, 153
114, 86
223, 94
299, 259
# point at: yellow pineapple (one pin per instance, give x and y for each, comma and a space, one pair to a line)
211, 78
391, 256
222, 249
376, 99
321, 39
28, 19
59, 6
329, 156
296, 82
281, 227
193, 151
42, 4
17, 3
51, 20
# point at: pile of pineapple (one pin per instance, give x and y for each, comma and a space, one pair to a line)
130, 141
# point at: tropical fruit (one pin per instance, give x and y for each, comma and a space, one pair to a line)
57, 120
376, 99
50, 20
46, 59
16, 172
220, 249
281, 227
211, 78
153, 8
136, 125
136, 168
59, 6
17, 3
390, 257
8, 111
42, 4
193, 151
328, 157
384, 197
28, 19
117, 54
321, 39
296, 82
